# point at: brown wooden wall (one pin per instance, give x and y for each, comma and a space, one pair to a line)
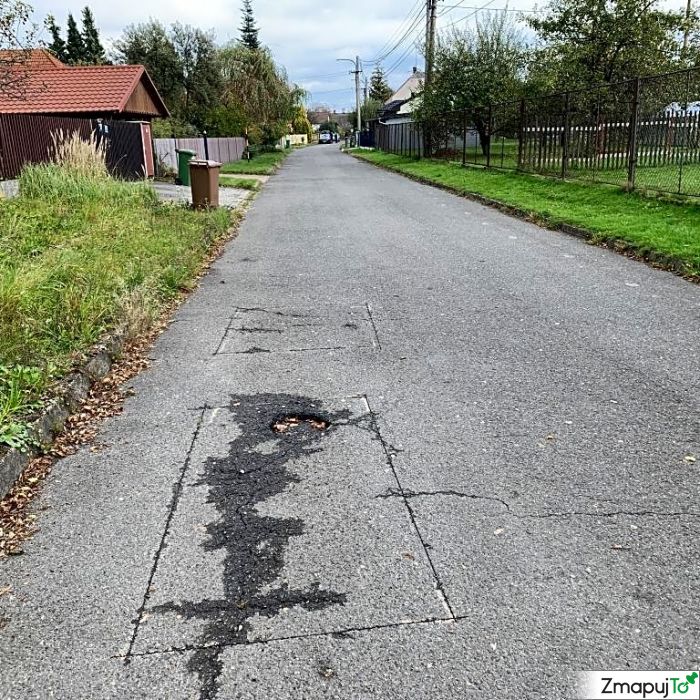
141, 102
27, 138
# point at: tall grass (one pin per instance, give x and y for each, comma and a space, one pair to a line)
81, 253
86, 157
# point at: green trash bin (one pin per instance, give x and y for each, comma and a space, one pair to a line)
184, 156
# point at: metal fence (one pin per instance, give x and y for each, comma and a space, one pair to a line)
225, 150
28, 138
642, 133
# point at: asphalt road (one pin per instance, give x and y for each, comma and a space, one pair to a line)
397, 445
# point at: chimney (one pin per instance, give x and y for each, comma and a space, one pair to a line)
415, 70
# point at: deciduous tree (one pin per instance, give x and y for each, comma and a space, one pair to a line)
150, 45
475, 67
588, 42
16, 34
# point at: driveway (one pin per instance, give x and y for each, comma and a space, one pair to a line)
403, 446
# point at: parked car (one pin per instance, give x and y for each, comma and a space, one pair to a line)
325, 137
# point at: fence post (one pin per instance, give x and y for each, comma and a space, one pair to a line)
2, 154
565, 137
521, 133
489, 130
634, 128
685, 133
464, 138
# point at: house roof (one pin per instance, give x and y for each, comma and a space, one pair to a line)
411, 87
50, 86
401, 102
32, 59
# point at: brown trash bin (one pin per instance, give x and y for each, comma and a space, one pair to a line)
204, 178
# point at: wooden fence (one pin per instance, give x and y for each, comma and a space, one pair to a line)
225, 150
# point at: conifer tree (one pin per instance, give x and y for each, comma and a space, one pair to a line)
249, 32
93, 51
57, 45
379, 89
75, 47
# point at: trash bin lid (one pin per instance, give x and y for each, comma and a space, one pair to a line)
201, 163
186, 150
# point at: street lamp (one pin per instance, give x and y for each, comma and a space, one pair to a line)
356, 72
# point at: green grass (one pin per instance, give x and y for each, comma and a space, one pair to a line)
648, 226
79, 257
650, 175
260, 164
239, 182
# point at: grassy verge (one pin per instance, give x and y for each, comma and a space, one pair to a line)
240, 183
261, 164
666, 232
80, 256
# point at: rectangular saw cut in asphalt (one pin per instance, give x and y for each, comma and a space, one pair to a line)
253, 331
587, 588
278, 533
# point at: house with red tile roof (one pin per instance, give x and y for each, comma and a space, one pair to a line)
48, 87
116, 103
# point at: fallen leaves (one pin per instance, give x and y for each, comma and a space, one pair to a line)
283, 425
105, 399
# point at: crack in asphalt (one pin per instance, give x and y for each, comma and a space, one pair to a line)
389, 453
374, 325
254, 544
408, 494
256, 329
345, 633
258, 309
177, 492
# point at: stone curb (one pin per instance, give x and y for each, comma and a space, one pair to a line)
72, 390
659, 260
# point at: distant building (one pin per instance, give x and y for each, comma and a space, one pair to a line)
676, 109
399, 107
318, 117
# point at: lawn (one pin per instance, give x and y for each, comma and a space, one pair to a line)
260, 164
668, 231
80, 256
241, 183
653, 172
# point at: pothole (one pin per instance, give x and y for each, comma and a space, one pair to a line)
286, 423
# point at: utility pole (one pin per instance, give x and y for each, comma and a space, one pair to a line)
686, 30
430, 18
356, 73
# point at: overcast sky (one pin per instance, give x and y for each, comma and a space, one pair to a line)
305, 36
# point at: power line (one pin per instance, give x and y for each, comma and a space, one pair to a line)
495, 9
408, 33
328, 92
398, 30
470, 15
